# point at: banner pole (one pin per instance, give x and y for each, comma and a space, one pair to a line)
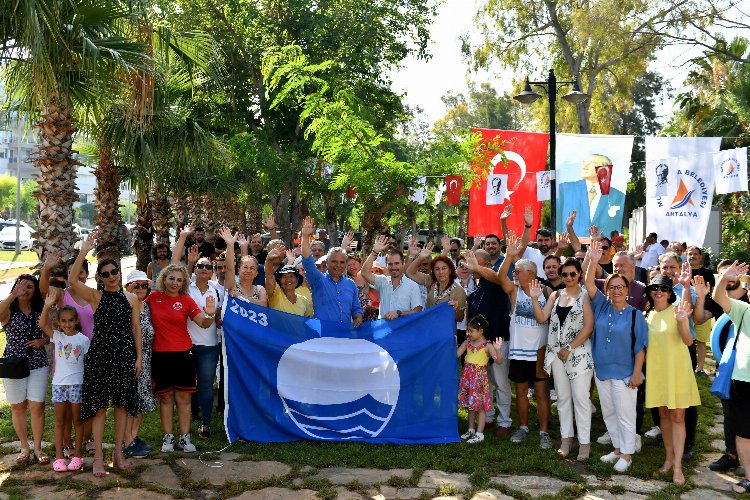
551, 97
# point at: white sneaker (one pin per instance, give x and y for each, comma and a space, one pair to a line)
185, 445
604, 439
468, 434
553, 395
654, 433
622, 465
478, 437
167, 443
611, 458
638, 443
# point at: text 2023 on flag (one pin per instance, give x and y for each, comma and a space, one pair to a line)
290, 378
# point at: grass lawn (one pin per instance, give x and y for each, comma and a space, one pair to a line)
493, 457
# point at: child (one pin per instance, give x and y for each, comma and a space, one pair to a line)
474, 392
70, 348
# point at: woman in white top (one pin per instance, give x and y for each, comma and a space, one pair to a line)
248, 271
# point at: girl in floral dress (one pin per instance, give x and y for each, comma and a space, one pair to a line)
474, 391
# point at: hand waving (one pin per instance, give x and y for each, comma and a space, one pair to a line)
535, 289
308, 226
380, 244
702, 289
595, 251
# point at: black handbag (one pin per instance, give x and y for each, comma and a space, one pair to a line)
15, 367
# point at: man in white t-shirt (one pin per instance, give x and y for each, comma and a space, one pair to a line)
647, 256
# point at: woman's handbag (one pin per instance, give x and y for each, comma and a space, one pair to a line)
15, 367
723, 381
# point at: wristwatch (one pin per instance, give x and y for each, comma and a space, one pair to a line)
527, 225
398, 313
209, 315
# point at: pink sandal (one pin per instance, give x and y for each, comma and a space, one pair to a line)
59, 465
76, 463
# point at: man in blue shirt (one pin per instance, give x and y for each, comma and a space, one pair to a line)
335, 296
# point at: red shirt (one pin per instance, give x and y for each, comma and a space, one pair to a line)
169, 316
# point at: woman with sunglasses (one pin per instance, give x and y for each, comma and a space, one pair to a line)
619, 351
113, 362
139, 285
671, 381
568, 355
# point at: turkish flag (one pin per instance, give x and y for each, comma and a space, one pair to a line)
453, 185
526, 154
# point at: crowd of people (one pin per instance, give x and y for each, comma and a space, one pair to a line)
632, 325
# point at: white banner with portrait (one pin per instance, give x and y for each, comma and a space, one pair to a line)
593, 172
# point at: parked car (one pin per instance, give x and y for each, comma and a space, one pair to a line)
8, 235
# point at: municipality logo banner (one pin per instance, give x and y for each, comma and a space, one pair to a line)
290, 378
680, 192
730, 169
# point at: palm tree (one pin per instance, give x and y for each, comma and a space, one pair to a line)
65, 56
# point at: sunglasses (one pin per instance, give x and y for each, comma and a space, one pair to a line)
571, 274
662, 288
140, 286
204, 266
107, 274
605, 248
580, 259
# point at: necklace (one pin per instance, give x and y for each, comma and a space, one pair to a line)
443, 295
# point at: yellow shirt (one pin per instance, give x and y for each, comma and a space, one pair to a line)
280, 302
479, 357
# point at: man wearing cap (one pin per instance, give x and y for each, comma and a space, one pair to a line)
399, 296
282, 283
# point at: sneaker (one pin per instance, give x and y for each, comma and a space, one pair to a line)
468, 434
724, 464
519, 436
638, 443
553, 395
135, 450
622, 465
545, 441
204, 432
610, 458
604, 439
531, 393
167, 443
701, 374
654, 433
478, 437
144, 445
185, 445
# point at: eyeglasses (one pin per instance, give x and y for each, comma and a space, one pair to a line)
616, 288
662, 288
571, 274
204, 266
391, 243
580, 259
605, 248
107, 274
141, 286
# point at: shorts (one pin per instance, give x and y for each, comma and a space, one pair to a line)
31, 388
67, 393
739, 407
173, 371
521, 371
703, 331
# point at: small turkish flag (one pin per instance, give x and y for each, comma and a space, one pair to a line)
351, 192
453, 184
604, 176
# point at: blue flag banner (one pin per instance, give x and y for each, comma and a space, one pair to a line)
289, 377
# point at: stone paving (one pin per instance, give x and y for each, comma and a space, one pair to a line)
188, 477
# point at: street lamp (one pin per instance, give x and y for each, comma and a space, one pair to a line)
529, 96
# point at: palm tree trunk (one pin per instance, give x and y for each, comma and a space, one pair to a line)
160, 210
144, 230
181, 210
107, 203
56, 190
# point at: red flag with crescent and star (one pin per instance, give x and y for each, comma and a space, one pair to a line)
525, 155
453, 186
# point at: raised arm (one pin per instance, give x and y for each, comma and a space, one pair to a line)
413, 250
308, 228
380, 244
206, 317
346, 241
193, 256
179, 247
273, 261
528, 220
585, 333
541, 314
44, 321
229, 239
684, 280
731, 273
593, 256
682, 313
413, 270
270, 226
90, 295
574, 241
507, 211
445, 244
52, 260
702, 289
244, 244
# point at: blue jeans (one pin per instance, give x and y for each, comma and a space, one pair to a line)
206, 358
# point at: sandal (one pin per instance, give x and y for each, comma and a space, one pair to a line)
42, 457
59, 465
98, 468
89, 446
23, 457
75, 464
742, 487
121, 463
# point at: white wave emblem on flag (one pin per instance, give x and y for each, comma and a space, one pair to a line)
334, 388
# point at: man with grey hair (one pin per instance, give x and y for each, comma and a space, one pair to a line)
623, 263
318, 249
528, 341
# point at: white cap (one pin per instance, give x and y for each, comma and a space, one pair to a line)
321, 260
136, 276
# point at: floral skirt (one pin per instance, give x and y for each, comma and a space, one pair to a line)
474, 390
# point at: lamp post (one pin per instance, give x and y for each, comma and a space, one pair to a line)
528, 96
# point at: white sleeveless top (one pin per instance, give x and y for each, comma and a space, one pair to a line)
526, 335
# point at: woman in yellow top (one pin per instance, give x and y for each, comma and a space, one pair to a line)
671, 382
285, 297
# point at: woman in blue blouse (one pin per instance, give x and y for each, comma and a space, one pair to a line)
619, 350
